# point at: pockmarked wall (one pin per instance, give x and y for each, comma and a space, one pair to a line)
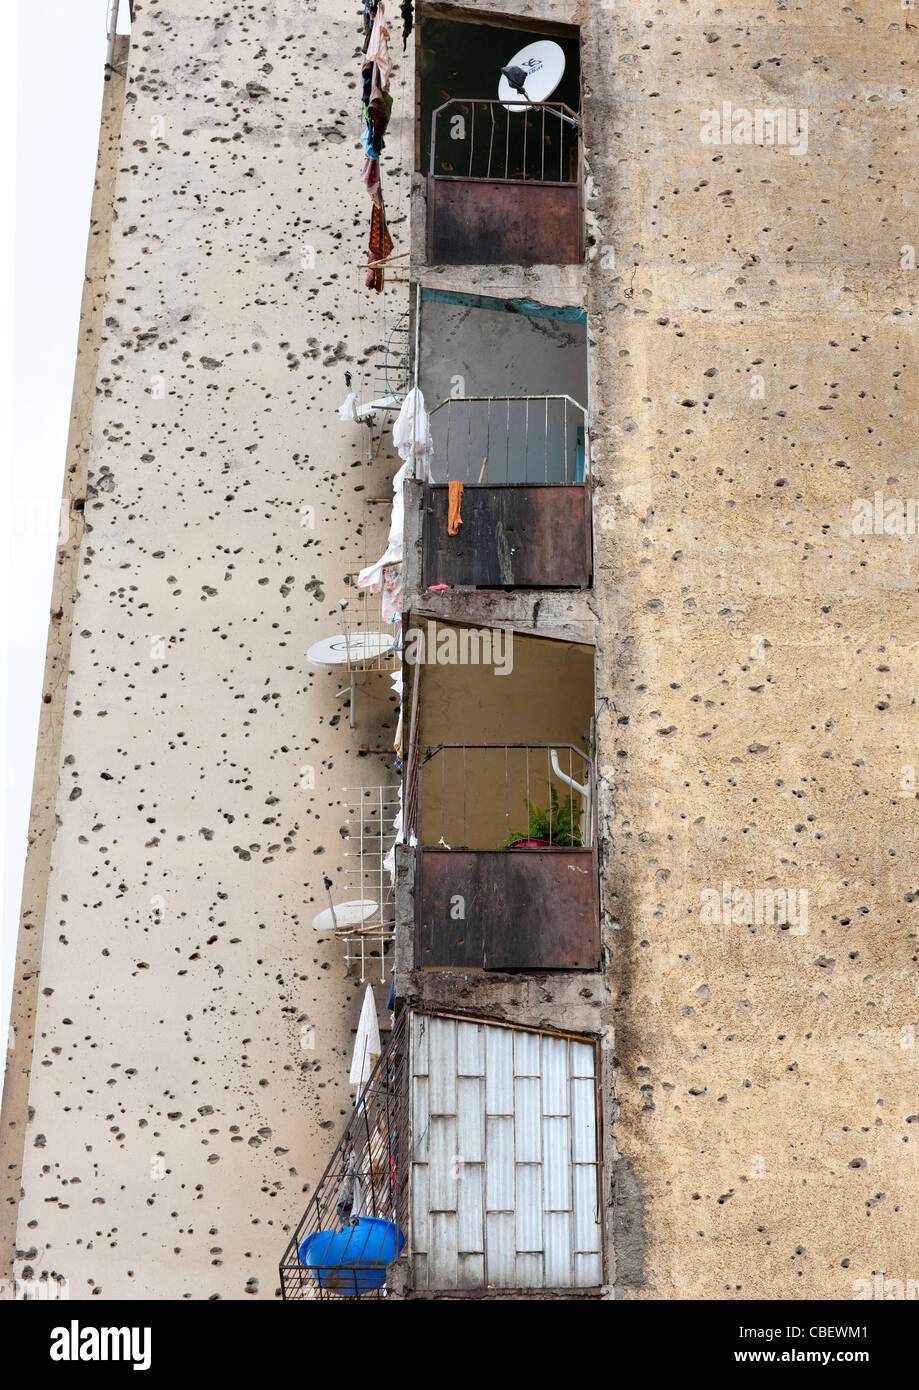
192, 1033
753, 375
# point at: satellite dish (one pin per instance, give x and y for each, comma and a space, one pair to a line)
346, 915
544, 65
342, 651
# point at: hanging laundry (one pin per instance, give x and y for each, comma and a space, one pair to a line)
408, 20
370, 176
377, 50
380, 246
454, 502
348, 409
372, 577
411, 435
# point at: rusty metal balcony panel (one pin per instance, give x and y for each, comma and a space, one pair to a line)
503, 222
525, 909
521, 537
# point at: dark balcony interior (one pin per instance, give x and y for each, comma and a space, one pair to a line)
504, 182
506, 868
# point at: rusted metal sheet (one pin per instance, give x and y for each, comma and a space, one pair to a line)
526, 909
521, 537
503, 222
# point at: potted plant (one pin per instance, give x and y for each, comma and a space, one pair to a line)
557, 826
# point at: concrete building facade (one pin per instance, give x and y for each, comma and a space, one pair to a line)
695, 316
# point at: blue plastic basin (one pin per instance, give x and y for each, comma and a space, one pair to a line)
353, 1261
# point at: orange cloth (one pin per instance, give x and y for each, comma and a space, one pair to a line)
454, 520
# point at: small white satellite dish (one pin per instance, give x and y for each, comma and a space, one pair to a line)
344, 916
341, 650
544, 64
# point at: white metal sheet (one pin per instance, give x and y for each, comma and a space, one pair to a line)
420, 1119
556, 1163
555, 1076
499, 1235
442, 1066
526, 1053
588, 1272
470, 1119
529, 1271
583, 1058
499, 1169
528, 1117
470, 1049
499, 1071
442, 1163
470, 1271
586, 1212
505, 1136
420, 1025
442, 1254
558, 1257
420, 1205
470, 1210
583, 1120
528, 1211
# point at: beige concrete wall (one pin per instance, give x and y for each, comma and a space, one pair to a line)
758, 661
42, 820
176, 1122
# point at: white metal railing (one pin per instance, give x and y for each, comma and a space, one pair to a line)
510, 439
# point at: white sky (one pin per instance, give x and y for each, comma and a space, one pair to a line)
49, 129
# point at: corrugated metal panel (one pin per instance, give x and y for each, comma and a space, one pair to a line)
470, 1119
555, 1076
527, 1053
499, 1257
420, 1204
507, 1192
470, 1210
442, 1255
586, 1209
556, 1167
442, 1165
499, 1071
499, 1169
583, 1120
442, 1067
528, 1114
470, 1050
529, 1208
558, 1256
420, 1119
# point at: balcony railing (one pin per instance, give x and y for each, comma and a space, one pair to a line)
359, 1209
510, 439
504, 184
507, 873
526, 514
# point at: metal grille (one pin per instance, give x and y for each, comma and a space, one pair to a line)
480, 796
526, 142
370, 837
373, 1148
510, 439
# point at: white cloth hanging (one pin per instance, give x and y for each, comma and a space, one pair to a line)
412, 434
367, 1042
348, 409
372, 577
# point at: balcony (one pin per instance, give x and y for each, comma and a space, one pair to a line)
506, 868
504, 184
350, 1233
526, 501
